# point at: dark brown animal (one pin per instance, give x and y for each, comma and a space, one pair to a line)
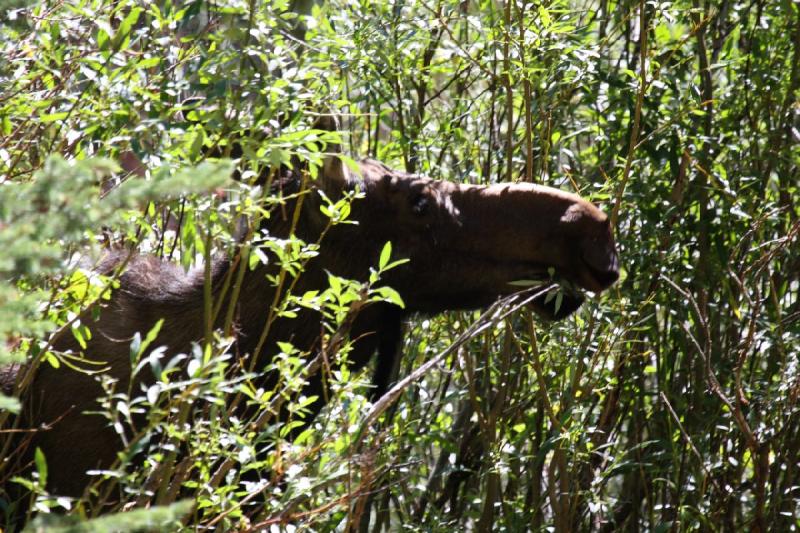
465, 244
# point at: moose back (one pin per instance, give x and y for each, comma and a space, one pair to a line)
465, 244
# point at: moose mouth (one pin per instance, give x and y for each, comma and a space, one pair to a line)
564, 296
551, 296
601, 279
558, 302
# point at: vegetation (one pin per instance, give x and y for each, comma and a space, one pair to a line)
671, 403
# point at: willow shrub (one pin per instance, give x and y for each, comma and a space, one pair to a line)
669, 403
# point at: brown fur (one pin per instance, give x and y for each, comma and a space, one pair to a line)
465, 244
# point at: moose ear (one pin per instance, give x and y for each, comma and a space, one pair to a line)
334, 171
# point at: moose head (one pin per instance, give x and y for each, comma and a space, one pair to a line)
469, 244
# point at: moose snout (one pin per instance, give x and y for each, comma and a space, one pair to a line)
601, 261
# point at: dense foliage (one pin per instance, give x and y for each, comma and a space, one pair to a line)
670, 403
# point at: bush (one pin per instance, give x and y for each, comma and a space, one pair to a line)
670, 403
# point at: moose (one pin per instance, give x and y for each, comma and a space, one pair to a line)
465, 245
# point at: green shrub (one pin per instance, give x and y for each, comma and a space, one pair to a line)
669, 403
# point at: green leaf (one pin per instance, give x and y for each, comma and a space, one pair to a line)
156, 518
148, 62
9, 403
544, 16
388, 294
128, 22
53, 117
151, 335
386, 253
559, 300
525, 282
41, 465
335, 283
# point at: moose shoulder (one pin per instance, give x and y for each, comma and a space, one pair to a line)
464, 245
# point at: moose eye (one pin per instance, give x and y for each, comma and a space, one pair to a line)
419, 204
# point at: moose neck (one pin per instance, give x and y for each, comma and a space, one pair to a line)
263, 288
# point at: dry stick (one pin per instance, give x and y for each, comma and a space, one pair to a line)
472, 391
493, 483
509, 92
208, 306
527, 96
367, 479
281, 280
744, 426
637, 115
759, 452
755, 306
433, 485
283, 518
537, 368
157, 475
241, 262
334, 343
456, 42
254, 493
688, 440
488, 318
